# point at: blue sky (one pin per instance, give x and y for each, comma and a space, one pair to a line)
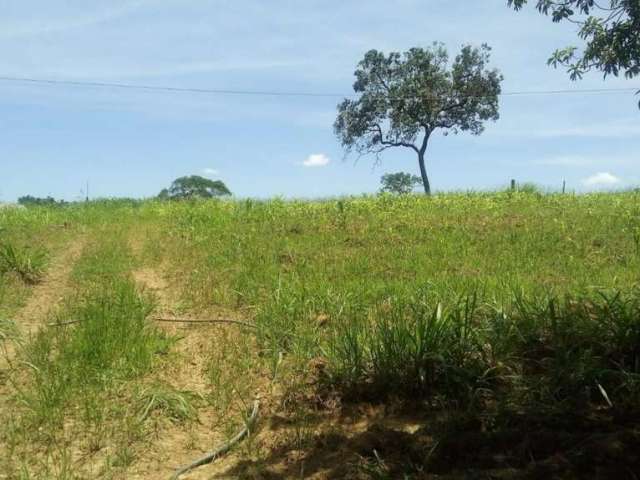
134, 143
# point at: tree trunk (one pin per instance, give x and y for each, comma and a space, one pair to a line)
423, 173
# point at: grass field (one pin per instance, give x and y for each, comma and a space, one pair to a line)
495, 335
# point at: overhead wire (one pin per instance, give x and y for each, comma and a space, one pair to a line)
274, 93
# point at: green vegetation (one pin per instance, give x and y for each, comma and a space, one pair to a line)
29, 265
400, 183
25, 242
498, 308
111, 342
509, 320
610, 30
172, 403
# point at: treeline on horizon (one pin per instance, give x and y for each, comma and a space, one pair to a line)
527, 188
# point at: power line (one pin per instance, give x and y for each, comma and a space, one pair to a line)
130, 86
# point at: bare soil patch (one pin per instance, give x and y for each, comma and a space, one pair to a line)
47, 294
176, 444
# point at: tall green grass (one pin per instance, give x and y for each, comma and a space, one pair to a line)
563, 352
425, 296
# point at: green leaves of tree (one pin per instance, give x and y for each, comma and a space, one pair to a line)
610, 29
194, 186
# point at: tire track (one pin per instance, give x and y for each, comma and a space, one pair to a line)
49, 293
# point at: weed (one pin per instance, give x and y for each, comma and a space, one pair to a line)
174, 404
9, 331
29, 264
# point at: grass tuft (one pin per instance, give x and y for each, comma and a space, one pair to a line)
28, 263
175, 404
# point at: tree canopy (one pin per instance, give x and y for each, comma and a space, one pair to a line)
194, 186
404, 97
29, 200
399, 182
609, 28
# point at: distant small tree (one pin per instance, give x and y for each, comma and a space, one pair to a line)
399, 182
404, 98
194, 186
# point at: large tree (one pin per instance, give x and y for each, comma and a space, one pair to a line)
609, 28
194, 186
403, 98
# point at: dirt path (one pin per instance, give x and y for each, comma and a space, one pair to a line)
53, 288
186, 369
43, 299
177, 444
45, 296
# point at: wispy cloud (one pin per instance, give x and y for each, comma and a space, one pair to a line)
629, 128
614, 130
212, 172
586, 161
128, 70
317, 160
566, 161
45, 26
601, 179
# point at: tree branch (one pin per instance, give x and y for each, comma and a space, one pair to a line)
390, 143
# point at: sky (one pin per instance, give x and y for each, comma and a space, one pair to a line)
56, 138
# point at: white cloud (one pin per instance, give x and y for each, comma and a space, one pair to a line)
601, 179
317, 160
210, 171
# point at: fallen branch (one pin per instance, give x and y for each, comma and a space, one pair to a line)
172, 320
62, 324
222, 449
217, 320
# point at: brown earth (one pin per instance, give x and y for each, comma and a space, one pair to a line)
45, 295
173, 444
48, 294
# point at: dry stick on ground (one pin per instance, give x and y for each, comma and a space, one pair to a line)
225, 447
218, 320
172, 320
222, 449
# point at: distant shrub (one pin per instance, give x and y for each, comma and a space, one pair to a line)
529, 187
29, 201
